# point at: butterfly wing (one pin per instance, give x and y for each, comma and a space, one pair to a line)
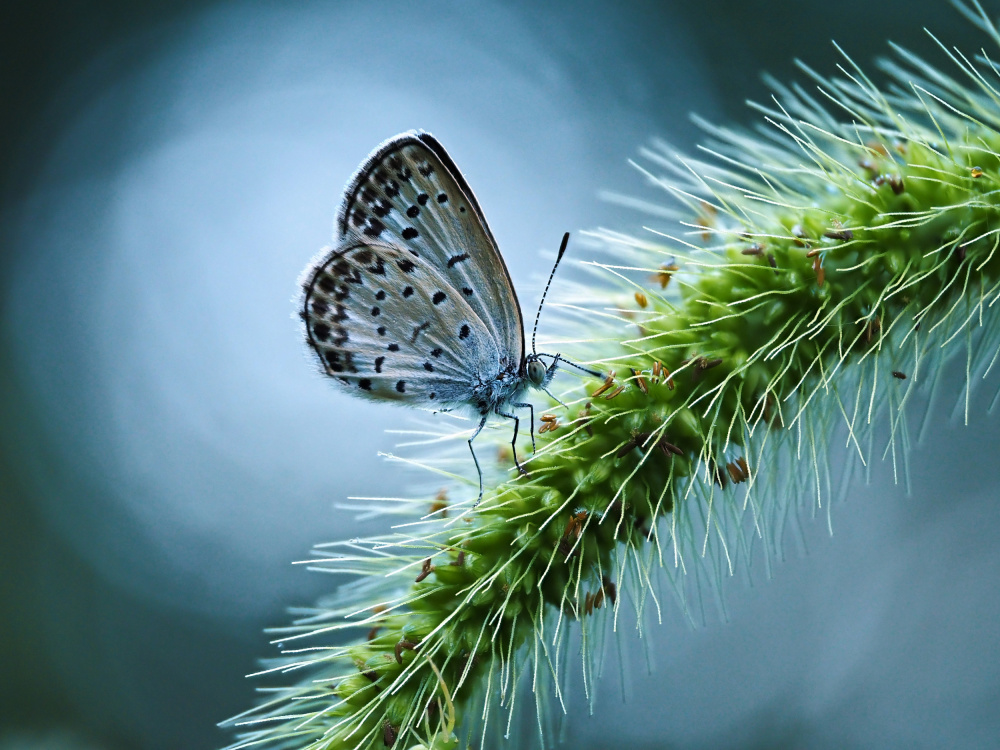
410, 194
388, 325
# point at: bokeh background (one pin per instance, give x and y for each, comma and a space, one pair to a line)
166, 170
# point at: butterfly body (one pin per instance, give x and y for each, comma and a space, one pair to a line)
414, 303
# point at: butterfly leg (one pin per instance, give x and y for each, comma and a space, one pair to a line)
482, 423
513, 442
530, 408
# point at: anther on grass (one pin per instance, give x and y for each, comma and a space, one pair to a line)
639, 380
701, 365
617, 391
440, 504
599, 599
574, 527
629, 446
610, 589
663, 276
894, 181
607, 385
845, 235
426, 569
669, 448
738, 470
401, 644
389, 734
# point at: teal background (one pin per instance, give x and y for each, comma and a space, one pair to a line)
167, 169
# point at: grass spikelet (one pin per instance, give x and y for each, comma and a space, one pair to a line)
821, 270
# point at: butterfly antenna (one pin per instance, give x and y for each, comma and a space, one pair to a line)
559, 255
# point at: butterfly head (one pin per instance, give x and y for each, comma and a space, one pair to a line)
536, 372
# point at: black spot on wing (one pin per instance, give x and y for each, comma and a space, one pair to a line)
410, 233
442, 198
406, 266
457, 259
321, 331
425, 169
422, 199
429, 367
339, 361
401, 386
365, 384
466, 291
374, 228
439, 297
463, 332
381, 330
437, 352
408, 291
413, 212
381, 209
393, 347
378, 364
380, 295
376, 311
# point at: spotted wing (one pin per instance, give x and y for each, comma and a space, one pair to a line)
388, 325
410, 193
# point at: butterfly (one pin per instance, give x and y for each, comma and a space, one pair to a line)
414, 303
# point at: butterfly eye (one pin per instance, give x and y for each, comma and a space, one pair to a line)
536, 372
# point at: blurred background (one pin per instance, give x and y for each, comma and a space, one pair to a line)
166, 171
